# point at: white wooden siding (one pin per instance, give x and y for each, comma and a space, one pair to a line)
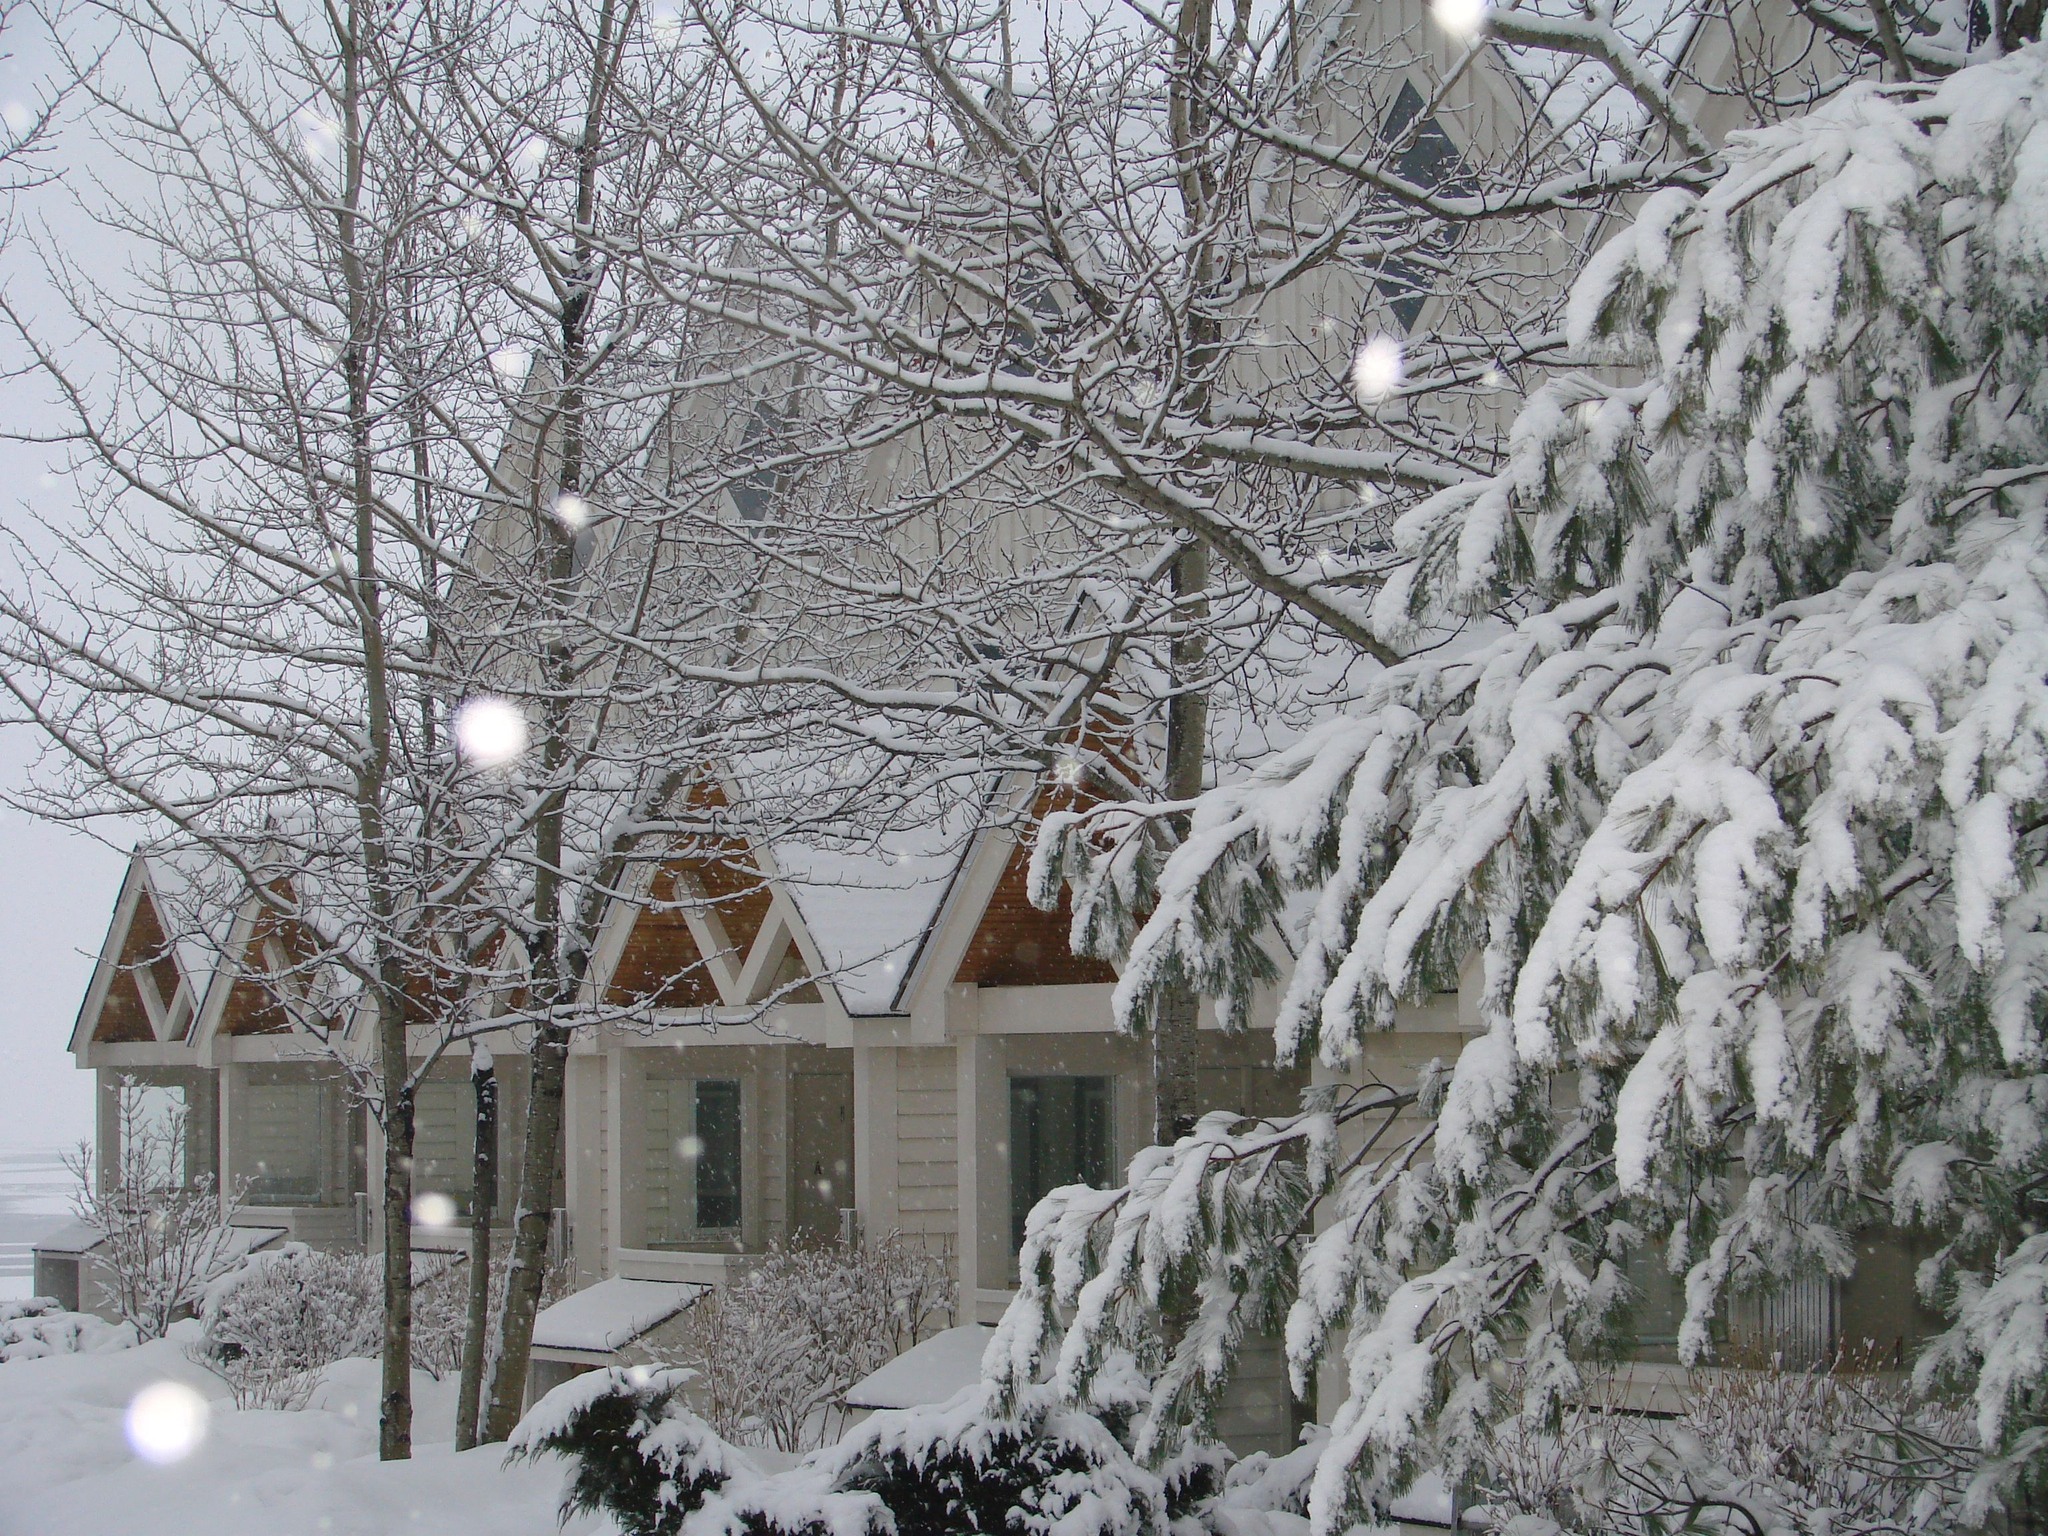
927, 1143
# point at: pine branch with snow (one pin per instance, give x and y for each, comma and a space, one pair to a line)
1724, 764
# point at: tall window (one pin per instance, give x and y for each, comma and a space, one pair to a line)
718, 1156
1430, 160
284, 1133
1059, 1134
444, 1140
692, 1187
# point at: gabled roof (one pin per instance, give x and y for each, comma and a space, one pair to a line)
196, 893
159, 956
604, 1318
869, 905
713, 920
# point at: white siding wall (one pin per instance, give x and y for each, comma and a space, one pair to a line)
603, 1214
927, 1144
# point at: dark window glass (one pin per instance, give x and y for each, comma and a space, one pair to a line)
753, 496
1022, 353
718, 1163
1430, 161
1059, 1134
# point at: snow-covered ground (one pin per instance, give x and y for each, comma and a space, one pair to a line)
66, 1465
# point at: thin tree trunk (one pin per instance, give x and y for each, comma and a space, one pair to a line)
394, 1415
483, 1197
1175, 1037
540, 1150
550, 1059
553, 986
394, 1427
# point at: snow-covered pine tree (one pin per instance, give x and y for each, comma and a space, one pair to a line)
1724, 746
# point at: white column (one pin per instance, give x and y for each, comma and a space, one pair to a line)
984, 1131
582, 1187
874, 1138
230, 1084
615, 1152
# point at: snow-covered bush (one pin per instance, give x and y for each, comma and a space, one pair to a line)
39, 1326
165, 1235
278, 1318
1848, 1451
643, 1457
1031, 1470
1563, 1472
440, 1309
1720, 757
640, 1454
440, 1305
777, 1347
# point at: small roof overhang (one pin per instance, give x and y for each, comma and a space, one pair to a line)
75, 1239
936, 1371
594, 1324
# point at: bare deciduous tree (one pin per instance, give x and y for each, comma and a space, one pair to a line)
165, 1231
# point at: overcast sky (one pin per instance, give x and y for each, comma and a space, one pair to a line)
56, 885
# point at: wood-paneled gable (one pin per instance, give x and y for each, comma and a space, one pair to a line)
720, 870
1016, 945
790, 972
252, 1007
661, 965
145, 959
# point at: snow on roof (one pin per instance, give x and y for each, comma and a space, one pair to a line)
869, 901
611, 1314
866, 913
866, 854
73, 1237
243, 1240
196, 895
935, 1371
1581, 95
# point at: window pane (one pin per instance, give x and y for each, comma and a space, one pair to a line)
1059, 1134
158, 1127
667, 1162
718, 1160
282, 1127
443, 1135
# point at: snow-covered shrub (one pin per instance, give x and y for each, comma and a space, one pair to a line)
272, 1323
1119, 1395
440, 1308
967, 1466
640, 1454
440, 1305
643, 1457
164, 1235
1263, 1483
278, 1317
1563, 1472
39, 1326
1847, 1451
777, 1347
801, 1501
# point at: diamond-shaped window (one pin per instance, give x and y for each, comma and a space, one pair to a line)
1432, 161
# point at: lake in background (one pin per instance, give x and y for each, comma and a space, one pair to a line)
35, 1198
